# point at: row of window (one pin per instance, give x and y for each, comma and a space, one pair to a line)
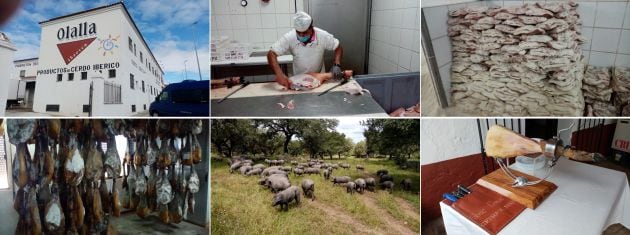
133, 107
86, 108
112, 74
150, 67
133, 83
71, 76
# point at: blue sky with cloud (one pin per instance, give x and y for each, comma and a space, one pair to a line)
165, 24
352, 128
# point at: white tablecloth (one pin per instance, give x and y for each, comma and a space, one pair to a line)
587, 201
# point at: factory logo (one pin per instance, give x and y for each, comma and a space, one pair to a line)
86, 33
108, 44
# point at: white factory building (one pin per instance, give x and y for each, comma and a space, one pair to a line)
100, 48
23, 80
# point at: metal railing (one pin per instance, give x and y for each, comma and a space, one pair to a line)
590, 135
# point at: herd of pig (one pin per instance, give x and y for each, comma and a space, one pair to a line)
276, 178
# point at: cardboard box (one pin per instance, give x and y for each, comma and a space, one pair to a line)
621, 139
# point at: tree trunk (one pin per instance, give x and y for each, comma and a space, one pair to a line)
287, 140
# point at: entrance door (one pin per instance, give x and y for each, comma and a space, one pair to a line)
30, 93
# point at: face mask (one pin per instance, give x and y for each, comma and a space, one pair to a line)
304, 39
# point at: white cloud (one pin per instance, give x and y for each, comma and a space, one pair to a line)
173, 13
26, 42
172, 54
59, 7
352, 128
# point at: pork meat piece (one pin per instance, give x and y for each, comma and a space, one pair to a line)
532, 20
528, 30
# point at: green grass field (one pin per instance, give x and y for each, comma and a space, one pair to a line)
241, 206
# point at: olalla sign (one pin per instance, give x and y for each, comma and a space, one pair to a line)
86, 33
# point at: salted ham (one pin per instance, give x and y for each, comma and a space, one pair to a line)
196, 150
164, 157
164, 191
193, 182
35, 222
93, 163
78, 211
21, 130
54, 218
20, 165
112, 159
115, 201
74, 168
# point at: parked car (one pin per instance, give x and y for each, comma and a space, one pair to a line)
187, 98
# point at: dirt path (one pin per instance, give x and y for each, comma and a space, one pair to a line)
344, 218
392, 223
408, 208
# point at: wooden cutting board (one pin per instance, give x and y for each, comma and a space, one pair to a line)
530, 196
486, 208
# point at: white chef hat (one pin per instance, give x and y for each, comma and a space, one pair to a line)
302, 21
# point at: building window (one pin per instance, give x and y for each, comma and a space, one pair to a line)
83, 75
143, 87
130, 45
52, 108
133, 108
59, 77
112, 73
131, 81
70, 76
112, 93
134, 49
22, 73
141, 57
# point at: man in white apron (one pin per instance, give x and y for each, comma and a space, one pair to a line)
307, 44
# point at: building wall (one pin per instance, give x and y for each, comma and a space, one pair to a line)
28, 66
6, 63
445, 139
143, 71
606, 25
72, 95
394, 36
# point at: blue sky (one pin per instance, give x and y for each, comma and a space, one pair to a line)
165, 24
352, 128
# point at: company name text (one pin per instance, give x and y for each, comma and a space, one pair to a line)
79, 68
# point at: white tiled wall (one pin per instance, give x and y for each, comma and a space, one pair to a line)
394, 36
436, 17
259, 23
607, 26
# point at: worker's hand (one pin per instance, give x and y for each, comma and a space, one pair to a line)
283, 80
336, 72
